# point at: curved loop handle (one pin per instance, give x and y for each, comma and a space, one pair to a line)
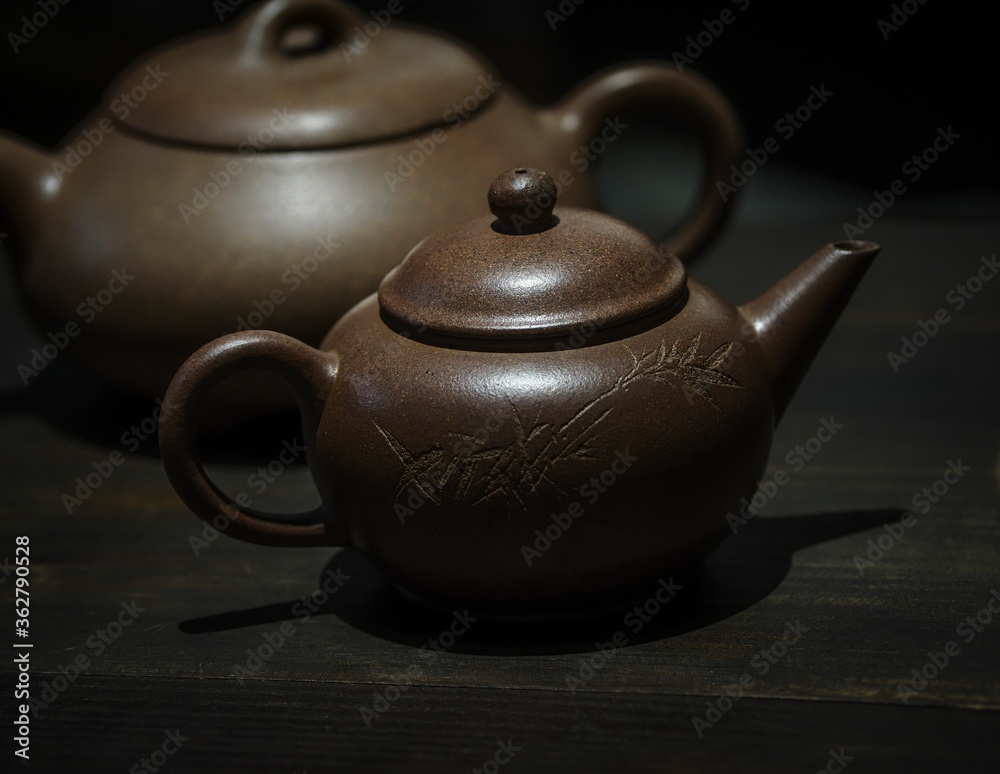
263, 27
694, 101
308, 371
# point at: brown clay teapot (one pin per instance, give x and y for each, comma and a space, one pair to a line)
538, 415
269, 173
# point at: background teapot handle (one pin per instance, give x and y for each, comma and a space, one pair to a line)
691, 99
308, 371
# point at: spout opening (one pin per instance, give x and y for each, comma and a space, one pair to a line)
854, 246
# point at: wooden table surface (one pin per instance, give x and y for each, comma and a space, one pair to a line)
786, 654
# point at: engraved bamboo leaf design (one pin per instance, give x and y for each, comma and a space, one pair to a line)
695, 373
516, 472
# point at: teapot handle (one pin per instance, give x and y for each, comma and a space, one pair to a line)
308, 371
691, 98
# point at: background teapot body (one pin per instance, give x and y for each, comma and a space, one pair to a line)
262, 187
284, 240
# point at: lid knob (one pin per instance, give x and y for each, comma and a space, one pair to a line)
522, 199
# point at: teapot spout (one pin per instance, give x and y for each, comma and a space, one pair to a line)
27, 185
792, 320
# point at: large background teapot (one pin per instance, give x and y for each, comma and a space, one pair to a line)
268, 175
538, 415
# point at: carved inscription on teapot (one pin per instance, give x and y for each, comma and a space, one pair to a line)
522, 469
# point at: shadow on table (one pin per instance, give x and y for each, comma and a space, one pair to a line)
741, 573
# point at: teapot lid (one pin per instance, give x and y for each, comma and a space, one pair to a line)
530, 271
301, 74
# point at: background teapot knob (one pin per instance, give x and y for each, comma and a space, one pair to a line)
522, 199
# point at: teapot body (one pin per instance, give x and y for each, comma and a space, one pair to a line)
219, 241
543, 483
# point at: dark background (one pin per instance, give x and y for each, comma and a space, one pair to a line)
938, 69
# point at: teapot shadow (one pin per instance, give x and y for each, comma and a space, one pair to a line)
741, 573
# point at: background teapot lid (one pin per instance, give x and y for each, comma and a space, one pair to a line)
531, 271
300, 74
